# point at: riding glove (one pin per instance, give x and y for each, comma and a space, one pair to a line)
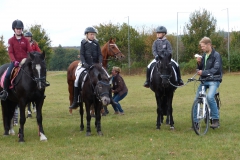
16, 63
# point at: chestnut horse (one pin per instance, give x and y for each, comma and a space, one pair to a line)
109, 49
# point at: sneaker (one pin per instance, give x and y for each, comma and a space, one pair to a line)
146, 84
121, 113
116, 112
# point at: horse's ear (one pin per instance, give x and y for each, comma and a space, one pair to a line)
170, 57
32, 55
43, 54
99, 77
110, 40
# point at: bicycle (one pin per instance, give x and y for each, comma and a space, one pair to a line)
200, 114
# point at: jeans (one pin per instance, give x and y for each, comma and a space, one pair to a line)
116, 97
212, 87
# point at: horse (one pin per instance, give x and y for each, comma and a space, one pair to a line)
94, 92
163, 84
109, 49
29, 85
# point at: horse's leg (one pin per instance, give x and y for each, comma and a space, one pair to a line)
98, 118
29, 110
81, 116
22, 121
87, 106
170, 110
39, 105
8, 109
159, 110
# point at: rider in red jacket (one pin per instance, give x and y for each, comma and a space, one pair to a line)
18, 48
33, 43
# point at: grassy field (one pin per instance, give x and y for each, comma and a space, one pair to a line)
130, 136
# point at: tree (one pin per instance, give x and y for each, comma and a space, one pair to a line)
63, 57
43, 40
201, 23
3, 52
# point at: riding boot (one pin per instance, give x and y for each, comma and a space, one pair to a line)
180, 81
4, 93
75, 99
147, 83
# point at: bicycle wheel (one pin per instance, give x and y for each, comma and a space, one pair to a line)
200, 120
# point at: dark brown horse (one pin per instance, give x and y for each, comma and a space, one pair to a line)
94, 93
110, 49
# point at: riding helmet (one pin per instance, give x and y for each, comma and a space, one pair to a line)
28, 34
161, 29
90, 30
17, 24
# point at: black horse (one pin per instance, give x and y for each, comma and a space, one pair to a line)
94, 92
29, 85
163, 84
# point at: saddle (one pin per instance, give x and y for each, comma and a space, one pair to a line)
13, 75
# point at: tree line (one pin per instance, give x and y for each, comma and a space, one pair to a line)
201, 23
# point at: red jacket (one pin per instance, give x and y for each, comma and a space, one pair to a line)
18, 49
35, 47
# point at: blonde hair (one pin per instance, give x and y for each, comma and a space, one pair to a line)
86, 38
205, 40
117, 69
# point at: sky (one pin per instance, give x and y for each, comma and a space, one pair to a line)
65, 21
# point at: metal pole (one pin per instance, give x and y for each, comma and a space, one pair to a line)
177, 32
229, 70
177, 37
128, 49
228, 42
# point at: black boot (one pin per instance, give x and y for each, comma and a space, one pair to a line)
147, 83
4, 93
75, 99
215, 123
180, 81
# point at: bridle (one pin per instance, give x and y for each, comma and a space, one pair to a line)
41, 80
110, 49
96, 90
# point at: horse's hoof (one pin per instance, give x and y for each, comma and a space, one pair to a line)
100, 133
88, 134
12, 132
172, 128
29, 116
21, 141
43, 137
81, 129
158, 127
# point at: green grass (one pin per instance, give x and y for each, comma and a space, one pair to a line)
133, 135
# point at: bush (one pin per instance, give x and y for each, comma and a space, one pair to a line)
189, 67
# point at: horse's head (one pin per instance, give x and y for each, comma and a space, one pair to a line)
102, 89
113, 50
38, 67
165, 68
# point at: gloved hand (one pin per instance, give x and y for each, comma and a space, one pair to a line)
16, 63
157, 58
85, 65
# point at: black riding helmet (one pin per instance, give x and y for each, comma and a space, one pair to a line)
161, 29
28, 34
17, 24
90, 30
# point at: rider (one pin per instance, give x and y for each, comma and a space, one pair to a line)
33, 43
18, 47
161, 44
90, 53
210, 67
